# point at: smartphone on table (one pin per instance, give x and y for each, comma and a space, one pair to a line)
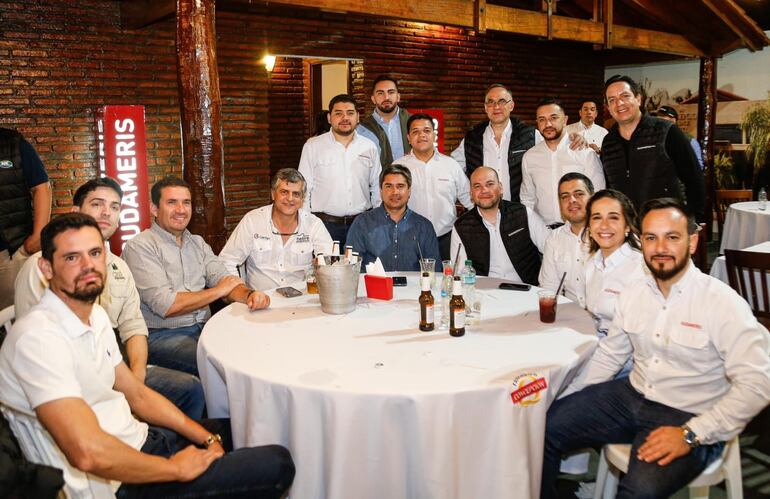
288, 292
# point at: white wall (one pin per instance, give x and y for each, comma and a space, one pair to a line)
740, 72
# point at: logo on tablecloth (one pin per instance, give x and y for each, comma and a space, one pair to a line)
527, 388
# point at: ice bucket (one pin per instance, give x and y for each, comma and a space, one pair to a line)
337, 286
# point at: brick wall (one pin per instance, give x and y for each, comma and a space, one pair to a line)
60, 61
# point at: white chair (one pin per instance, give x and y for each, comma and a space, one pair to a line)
39, 447
614, 460
7, 316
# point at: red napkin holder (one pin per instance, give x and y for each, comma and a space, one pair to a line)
378, 287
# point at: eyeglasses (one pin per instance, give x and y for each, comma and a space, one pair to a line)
276, 233
497, 103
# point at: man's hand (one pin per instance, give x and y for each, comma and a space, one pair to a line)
663, 444
577, 141
257, 300
192, 461
596, 148
227, 284
32, 244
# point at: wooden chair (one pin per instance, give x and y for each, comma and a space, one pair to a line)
747, 272
700, 257
726, 197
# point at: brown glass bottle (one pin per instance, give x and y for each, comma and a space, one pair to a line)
457, 309
426, 304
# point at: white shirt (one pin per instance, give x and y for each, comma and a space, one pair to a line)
50, 354
436, 185
495, 155
605, 280
499, 263
120, 298
594, 134
341, 181
269, 262
700, 350
542, 168
565, 252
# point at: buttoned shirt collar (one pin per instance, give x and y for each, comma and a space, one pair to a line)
166, 235
379, 119
71, 323
617, 257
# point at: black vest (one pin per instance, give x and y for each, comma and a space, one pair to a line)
514, 230
386, 153
647, 172
522, 138
15, 198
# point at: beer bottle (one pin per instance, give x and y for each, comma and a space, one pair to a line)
426, 304
457, 309
335, 256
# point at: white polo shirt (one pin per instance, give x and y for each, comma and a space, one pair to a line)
565, 252
341, 181
436, 186
269, 262
593, 134
542, 168
50, 354
606, 278
700, 350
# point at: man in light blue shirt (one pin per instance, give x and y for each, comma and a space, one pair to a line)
386, 126
392, 232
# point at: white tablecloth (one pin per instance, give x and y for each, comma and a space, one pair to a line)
745, 225
372, 408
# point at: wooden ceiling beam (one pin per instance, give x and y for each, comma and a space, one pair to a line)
527, 22
735, 18
135, 14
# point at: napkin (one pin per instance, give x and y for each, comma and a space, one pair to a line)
375, 268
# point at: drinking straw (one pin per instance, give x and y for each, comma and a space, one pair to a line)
454, 270
558, 290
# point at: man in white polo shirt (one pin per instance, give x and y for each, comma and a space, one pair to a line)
566, 252
587, 127
342, 170
276, 242
701, 369
61, 364
545, 163
438, 181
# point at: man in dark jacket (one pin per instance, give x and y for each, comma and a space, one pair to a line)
646, 157
25, 207
386, 126
504, 239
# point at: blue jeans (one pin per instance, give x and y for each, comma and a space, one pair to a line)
183, 390
175, 348
256, 472
614, 412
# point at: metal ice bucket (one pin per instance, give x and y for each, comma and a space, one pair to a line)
337, 286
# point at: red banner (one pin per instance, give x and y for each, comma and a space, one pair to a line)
123, 156
438, 122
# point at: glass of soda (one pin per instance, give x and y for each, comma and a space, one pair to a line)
547, 300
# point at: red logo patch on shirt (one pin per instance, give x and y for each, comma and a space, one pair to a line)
692, 325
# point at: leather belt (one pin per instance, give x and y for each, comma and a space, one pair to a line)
347, 220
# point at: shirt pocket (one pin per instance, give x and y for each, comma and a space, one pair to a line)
301, 254
639, 339
261, 250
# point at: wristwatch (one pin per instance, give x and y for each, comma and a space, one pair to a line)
690, 437
214, 437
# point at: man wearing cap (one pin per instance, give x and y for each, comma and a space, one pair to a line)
668, 113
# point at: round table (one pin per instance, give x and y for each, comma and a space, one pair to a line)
745, 225
371, 407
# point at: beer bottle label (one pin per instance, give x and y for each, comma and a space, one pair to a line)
429, 314
459, 314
